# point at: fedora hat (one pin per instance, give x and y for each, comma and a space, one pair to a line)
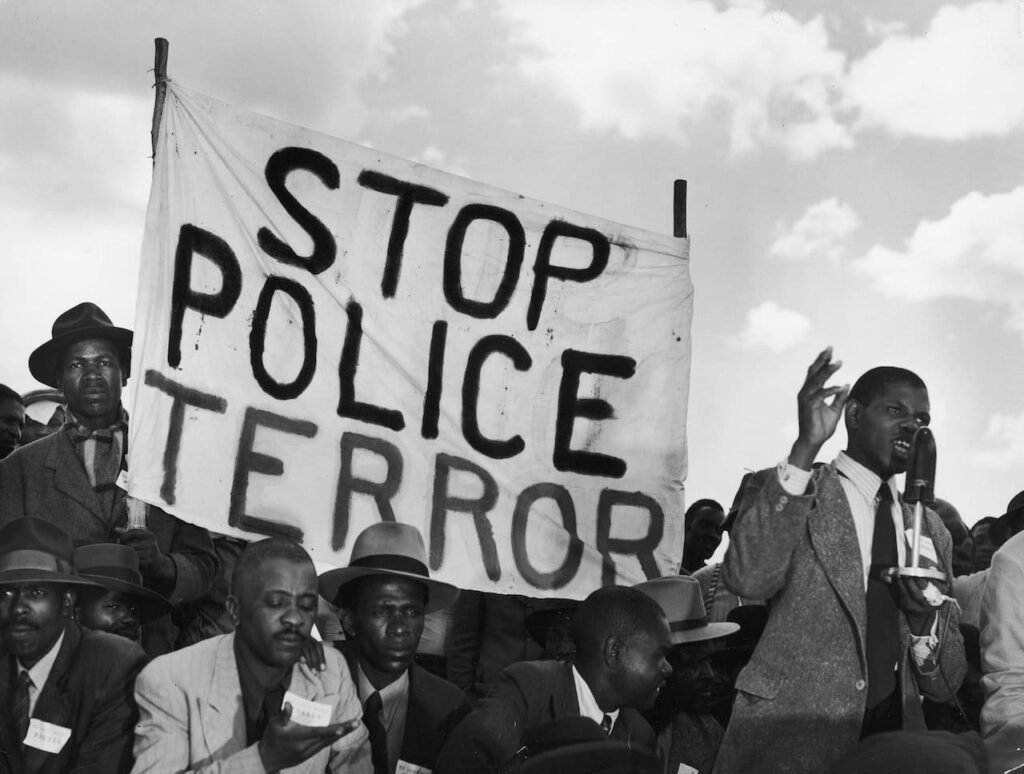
85, 321
36, 551
681, 599
389, 548
116, 568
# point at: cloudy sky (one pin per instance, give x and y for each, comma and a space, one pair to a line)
855, 172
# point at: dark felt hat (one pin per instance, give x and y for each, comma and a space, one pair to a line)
577, 745
116, 568
1008, 524
553, 613
85, 321
37, 551
389, 548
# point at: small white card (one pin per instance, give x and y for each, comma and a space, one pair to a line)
927, 547
306, 712
47, 737
404, 767
684, 769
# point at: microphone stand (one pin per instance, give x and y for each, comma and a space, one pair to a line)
920, 489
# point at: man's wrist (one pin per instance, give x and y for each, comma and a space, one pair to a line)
803, 454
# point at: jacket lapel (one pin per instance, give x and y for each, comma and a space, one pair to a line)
834, 540
222, 715
10, 748
69, 476
55, 703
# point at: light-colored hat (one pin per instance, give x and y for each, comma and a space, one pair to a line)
680, 597
389, 548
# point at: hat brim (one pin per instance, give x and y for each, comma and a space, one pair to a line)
42, 576
439, 594
587, 756
710, 632
153, 605
42, 363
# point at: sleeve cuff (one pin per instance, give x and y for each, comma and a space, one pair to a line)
792, 479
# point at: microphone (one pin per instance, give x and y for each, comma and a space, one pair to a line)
920, 483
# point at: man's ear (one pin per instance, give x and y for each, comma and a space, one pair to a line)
853, 409
611, 652
231, 604
67, 603
348, 622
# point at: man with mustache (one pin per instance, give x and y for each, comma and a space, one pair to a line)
623, 645
847, 651
65, 692
243, 701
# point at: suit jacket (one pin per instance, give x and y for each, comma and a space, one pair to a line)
435, 708
89, 691
1002, 657
191, 716
46, 480
525, 695
800, 701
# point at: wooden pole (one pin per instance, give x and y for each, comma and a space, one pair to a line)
160, 82
679, 209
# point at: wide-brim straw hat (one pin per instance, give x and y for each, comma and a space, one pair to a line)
680, 597
389, 548
116, 568
37, 551
85, 321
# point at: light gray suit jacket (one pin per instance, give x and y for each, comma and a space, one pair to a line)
800, 701
191, 716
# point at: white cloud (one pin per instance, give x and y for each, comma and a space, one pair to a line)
660, 69
769, 326
962, 78
434, 157
821, 232
882, 29
1006, 435
976, 253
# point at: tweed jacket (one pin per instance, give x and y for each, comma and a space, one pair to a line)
435, 708
800, 701
89, 691
191, 716
525, 695
46, 480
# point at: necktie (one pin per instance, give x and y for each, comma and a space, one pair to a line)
883, 638
606, 724
20, 709
378, 736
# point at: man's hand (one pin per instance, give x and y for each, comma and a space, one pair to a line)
286, 744
817, 416
912, 600
153, 563
313, 655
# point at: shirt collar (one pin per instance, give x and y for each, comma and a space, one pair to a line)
40, 672
390, 695
589, 708
253, 690
864, 481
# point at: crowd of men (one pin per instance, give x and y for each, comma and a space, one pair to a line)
133, 641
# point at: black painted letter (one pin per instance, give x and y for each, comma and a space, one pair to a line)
520, 358
444, 502
348, 406
453, 260
560, 576
381, 492
542, 268
258, 338
642, 548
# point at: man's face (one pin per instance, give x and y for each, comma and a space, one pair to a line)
705, 533
274, 611
880, 432
12, 422
386, 623
32, 617
90, 375
110, 611
984, 546
644, 665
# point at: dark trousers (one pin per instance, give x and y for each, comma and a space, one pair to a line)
887, 715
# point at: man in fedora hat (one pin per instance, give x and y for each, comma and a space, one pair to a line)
66, 692
244, 701
121, 604
70, 476
623, 645
383, 596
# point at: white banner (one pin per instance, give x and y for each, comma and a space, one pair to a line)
328, 336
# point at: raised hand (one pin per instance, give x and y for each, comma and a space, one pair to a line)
286, 744
818, 416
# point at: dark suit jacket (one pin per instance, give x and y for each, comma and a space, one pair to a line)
47, 480
525, 695
89, 690
435, 708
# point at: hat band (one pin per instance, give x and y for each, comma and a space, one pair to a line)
688, 624
395, 562
113, 573
30, 559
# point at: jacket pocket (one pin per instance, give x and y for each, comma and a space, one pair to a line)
760, 681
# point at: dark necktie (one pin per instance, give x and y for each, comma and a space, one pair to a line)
21, 705
378, 736
606, 724
883, 635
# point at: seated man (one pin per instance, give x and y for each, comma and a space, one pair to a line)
383, 595
121, 604
623, 645
66, 693
242, 701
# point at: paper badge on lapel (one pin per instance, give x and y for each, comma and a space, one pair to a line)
47, 737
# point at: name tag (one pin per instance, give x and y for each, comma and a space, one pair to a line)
404, 767
46, 736
308, 713
927, 547
684, 769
